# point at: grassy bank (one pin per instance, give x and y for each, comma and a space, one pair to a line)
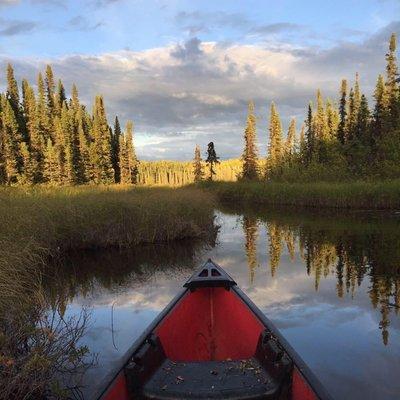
39, 346
352, 195
39, 222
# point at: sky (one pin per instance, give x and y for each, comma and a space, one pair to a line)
185, 70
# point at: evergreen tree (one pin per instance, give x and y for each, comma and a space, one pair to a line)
115, 139
291, 139
275, 149
381, 109
36, 139
332, 120
351, 124
197, 166
392, 84
341, 132
363, 119
59, 98
101, 145
14, 99
127, 159
28, 170
249, 156
212, 159
11, 143
51, 162
50, 92
310, 136
42, 110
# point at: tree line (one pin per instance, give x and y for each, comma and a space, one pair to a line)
337, 140
47, 138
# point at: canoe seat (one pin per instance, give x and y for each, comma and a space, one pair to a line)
151, 375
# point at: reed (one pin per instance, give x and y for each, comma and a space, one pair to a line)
347, 195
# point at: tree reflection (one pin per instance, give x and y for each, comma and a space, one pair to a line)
250, 229
354, 249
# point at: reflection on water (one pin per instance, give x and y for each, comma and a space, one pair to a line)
331, 284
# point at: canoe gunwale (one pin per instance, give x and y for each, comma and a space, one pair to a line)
111, 376
302, 367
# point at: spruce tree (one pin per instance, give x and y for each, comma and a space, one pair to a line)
290, 140
36, 139
392, 85
363, 119
380, 110
351, 123
28, 169
275, 148
11, 143
341, 132
42, 110
127, 159
14, 99
197, 166
211, 160
249, 156
115, 139
59, 98
310, 135
101, 145
51, 162
50, 92
332, 120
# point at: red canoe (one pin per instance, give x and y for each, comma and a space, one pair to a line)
212, 342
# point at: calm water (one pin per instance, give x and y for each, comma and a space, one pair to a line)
330, 283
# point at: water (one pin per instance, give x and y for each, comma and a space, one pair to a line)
330, 283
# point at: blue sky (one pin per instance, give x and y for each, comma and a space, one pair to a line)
184, 70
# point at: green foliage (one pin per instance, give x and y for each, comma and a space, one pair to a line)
198, 172
249, 156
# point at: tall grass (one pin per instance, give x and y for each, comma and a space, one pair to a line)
351, 195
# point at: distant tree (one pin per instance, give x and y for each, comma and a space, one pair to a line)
101, 144
275, 148
249, 156
310, 136
363, 119
381, 109
59, 98
341, 133
351, 122
11, 143
211, 160
392, 84
12, 95
50, 93
197, 165
290, 139
42, 110
115, 139
127, 158
332, 120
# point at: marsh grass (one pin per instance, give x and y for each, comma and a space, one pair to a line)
347, 195
42, 223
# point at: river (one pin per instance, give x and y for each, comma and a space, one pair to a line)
329, 281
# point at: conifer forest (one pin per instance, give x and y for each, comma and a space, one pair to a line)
47, 137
